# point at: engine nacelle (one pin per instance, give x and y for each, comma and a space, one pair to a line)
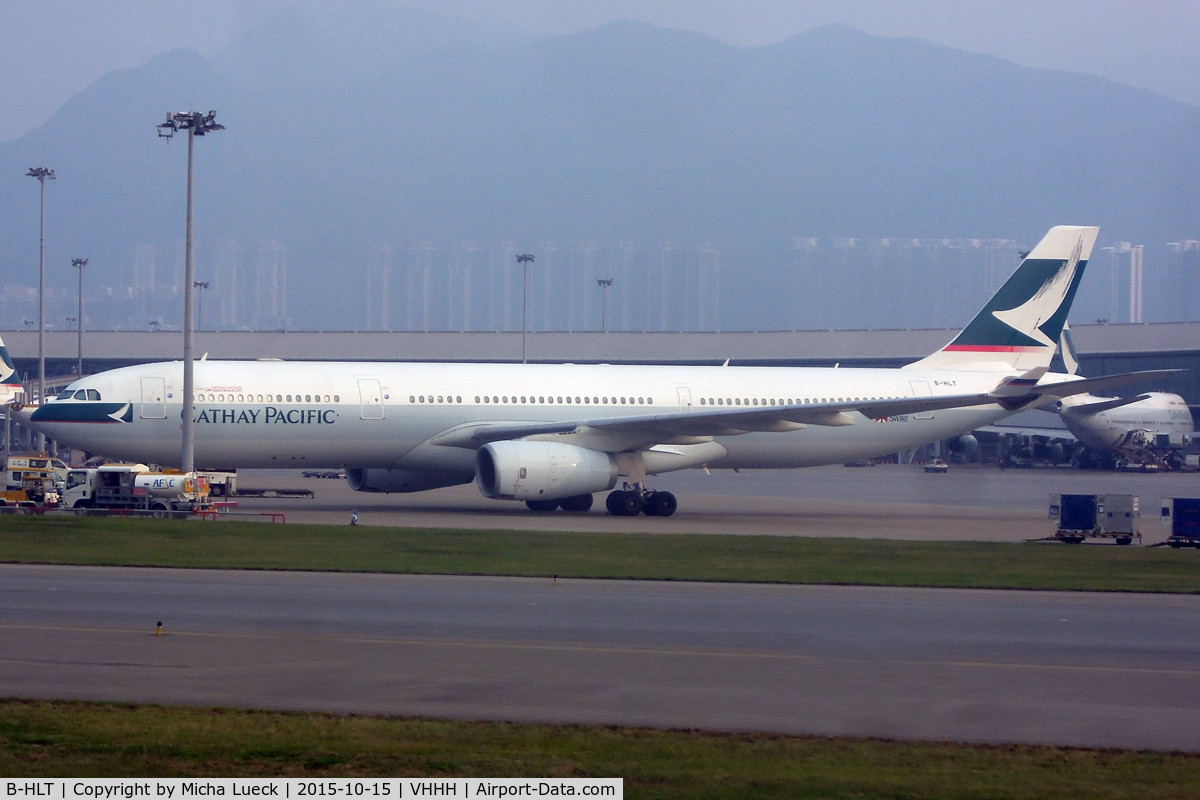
965, 445
542, 470
401, 480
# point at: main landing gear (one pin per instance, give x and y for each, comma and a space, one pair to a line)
627, 502
631, 502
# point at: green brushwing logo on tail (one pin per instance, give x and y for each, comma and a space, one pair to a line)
8, 370
1016, 308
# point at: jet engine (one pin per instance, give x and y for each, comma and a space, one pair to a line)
542, 470
966, 446
401, 480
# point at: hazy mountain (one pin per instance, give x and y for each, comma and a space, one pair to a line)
362, 124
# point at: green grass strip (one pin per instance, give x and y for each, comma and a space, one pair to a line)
43, 739
773, 559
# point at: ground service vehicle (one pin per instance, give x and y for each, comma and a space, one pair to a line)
38, 486
17, 465
1100, 516
1182, 516
134, 487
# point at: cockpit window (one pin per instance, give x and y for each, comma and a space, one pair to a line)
92, 394
81, 394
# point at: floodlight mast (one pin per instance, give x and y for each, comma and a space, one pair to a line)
524, 260
43, 174
196, 124
201, 285
80, 263
604, 283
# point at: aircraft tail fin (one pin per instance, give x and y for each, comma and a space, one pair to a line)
11, 388
8, 371
1020, 327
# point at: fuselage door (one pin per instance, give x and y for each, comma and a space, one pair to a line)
371, 396
685, 398
921, 389
154, 398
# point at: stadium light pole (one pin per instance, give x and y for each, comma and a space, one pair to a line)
43, 174
201, 285
80, 263
524, 260
196, 124
604, 283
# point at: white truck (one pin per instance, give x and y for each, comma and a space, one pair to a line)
135, 487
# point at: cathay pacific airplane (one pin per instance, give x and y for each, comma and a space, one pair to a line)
552, 435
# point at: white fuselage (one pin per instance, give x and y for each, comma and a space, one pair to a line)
267, 414
1161, 412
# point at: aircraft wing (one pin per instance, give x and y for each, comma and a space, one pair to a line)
1068, 388
627, 432
1107, 405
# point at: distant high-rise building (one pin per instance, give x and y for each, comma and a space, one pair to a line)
1184, 261
379, 288
1125, 281
223, 296
270, 286
893, 283
707, 282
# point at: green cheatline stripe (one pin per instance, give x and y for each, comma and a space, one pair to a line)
683, 557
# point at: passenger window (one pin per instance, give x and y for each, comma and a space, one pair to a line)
495, 399
458, 399
702, 401
641, 401
337, 399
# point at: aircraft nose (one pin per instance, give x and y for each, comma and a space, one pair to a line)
22, 415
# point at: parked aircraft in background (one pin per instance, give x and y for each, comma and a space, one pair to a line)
554, 434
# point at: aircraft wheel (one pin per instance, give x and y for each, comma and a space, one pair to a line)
660, 504
542, 505
577, 503
624, 504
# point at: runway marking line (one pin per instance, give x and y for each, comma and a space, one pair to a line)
568, 648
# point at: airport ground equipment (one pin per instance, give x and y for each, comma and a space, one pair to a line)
1181, 515
19, 463
132, 487
32, 481
1095, 516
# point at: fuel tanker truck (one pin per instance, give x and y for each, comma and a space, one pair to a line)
135, 487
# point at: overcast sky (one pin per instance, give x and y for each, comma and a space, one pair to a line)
51, 49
